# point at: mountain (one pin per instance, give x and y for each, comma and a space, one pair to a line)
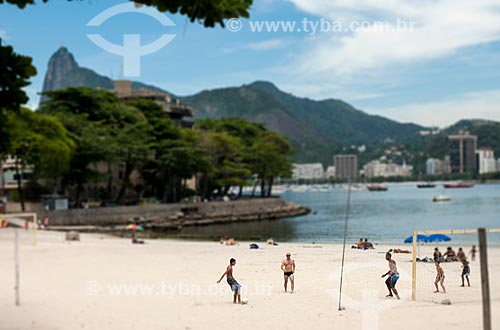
316, 129
63, 71
313, 127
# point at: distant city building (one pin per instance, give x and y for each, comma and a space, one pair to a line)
486, 160
378, 169
346, 166
463, 153
330, 172
308, 171
498, 164
180, 114
437, 166
8, 176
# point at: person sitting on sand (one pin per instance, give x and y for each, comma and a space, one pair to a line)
450, 255
235, 286
393, 276
439, 277
271, 241
437, 255
360, 244
288, 268
367, 245
465, 272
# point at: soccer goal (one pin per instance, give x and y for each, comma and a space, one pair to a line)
19, 219
466, 282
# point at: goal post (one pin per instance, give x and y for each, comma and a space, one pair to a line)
430, 232
32, 216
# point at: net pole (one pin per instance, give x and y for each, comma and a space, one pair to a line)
35, 225
414, 268
348, 210
485, 283
16, 257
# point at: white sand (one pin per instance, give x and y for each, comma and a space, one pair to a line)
179, 289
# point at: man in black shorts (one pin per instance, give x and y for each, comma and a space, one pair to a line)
288, 268
465, 271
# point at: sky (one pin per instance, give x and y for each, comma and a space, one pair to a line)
431, 62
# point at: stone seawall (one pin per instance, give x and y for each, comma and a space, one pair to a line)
173, 216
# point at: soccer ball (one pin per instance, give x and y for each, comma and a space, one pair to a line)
244, 301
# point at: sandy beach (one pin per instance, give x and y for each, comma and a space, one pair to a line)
104, 282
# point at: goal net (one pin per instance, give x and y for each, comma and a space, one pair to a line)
462, 244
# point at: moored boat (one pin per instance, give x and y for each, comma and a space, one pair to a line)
440, 198
457, 185
426, 185
376, 188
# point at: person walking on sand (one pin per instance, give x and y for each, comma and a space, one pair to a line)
473, 252
288, 268
465, 272
393, 276
235, 286
439, 277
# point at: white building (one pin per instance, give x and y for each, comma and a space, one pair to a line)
8, 177
330, 172
378, 169
486, 160
308, 171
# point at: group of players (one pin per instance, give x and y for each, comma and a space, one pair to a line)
449, 256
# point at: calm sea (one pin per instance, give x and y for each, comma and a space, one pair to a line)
382, 217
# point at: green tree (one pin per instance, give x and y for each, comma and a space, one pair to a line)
270, 159
105, 130
39, 141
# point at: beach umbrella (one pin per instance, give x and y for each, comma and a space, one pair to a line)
135, 228
439, 238
420, 238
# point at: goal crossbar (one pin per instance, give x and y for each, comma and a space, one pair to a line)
8, 216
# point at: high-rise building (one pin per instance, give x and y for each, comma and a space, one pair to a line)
486, 160
463, 153
346, 166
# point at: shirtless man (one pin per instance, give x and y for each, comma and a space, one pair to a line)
393, 276
288, 268
235, 286
439, 277
461, 255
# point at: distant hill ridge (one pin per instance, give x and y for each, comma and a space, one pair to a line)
316, 129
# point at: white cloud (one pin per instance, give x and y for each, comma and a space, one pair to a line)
484, 105
259, 46
441, 27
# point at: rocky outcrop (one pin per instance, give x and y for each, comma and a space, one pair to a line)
173, 216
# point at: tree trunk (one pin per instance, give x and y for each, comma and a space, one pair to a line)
19, 184
262, 187
254, 187
79, 188
270, 186
110, 183
240, 192
125, 181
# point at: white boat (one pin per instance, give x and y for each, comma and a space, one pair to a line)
440, 198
